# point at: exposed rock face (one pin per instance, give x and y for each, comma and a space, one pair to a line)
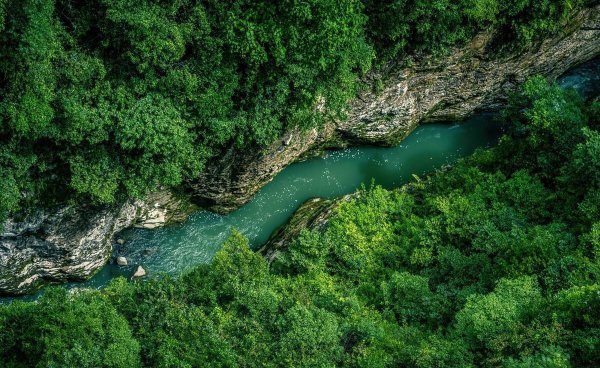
73, 243
232, 180
468, 80
313, 214
162, 207
452, 88
69, 244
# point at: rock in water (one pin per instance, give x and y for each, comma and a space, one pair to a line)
120, 241
139, 272
149, 251
122, 261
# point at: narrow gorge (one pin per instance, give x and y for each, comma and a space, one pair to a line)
71, 243
300, 183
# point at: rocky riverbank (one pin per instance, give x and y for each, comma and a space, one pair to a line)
471, 78
72, 243
313, 214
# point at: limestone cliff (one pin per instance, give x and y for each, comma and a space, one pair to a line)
72, 243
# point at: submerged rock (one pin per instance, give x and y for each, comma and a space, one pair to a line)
120, 241
149, 251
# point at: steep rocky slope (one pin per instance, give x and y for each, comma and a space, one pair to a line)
471, 78
72, 243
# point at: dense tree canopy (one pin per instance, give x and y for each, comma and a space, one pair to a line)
110, 98
399, 27
492, 263
105, 99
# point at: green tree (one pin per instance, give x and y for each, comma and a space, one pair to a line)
411, 299
309, 337
67, 331
489, 322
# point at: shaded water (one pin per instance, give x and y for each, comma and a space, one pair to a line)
177, 248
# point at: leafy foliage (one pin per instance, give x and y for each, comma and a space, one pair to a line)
106, 99
86, 331
400, 27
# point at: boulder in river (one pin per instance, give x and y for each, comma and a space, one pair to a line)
122, 261
120, 241
139, 272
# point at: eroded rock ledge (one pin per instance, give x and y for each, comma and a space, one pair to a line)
72, 243
313, 214
470, 79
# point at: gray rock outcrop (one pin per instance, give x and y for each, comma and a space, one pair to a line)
72, 243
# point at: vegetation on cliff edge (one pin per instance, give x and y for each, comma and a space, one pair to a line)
106, 99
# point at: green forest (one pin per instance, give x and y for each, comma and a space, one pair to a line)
494, 262
102, 100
